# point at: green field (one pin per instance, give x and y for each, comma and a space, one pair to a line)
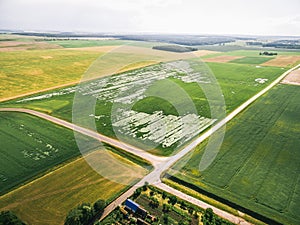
47, 200
252, 60
94, 43
30, 146
237, 82
257, 166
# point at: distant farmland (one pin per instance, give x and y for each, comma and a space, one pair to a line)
257, 166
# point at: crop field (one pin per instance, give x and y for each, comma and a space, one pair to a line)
142, 125
283, 59
252, 60
30, 146
292, 78
257, 167
29, 71
222, 58
26, 72
104, 42
48, 199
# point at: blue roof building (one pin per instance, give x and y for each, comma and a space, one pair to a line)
131, 205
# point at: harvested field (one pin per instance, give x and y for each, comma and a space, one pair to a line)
95, 48
8, 46
222, 58
292, 78
201, 53
283, 61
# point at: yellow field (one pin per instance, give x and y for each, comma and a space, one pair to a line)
48, 199
283, 61
222, 58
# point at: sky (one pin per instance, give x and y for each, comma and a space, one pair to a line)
254, 17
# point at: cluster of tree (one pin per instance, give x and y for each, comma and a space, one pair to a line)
154, 203
210, 218
181, 39
268, 53
174, 48
254, 43
290, 44
62, 34
85, 213
9, 218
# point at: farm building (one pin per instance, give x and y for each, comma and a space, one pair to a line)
133, 206
136, 208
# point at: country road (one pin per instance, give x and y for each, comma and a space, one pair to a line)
160, 164
113, 142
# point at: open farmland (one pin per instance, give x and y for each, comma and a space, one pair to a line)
138, 88
252, 60
48, 199
28, 71
283, 59
222, 58
292, 78
30, 146
257, 168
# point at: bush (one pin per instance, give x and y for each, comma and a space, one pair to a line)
8, 218
182, 205
166, 208
154, 202
164, 195
173, 199
99, 206
81, 215
137, 193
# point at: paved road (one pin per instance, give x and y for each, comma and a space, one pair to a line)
160, 163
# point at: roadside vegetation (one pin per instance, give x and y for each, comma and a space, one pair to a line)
162, 208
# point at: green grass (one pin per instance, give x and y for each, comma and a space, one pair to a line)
30, 146
257, 166
252, 60
94, 43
